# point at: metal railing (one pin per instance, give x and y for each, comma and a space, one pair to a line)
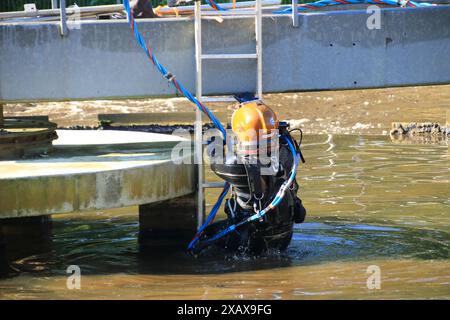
62, 16
295, 13
17, 5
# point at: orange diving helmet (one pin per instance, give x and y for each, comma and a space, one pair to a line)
254, 121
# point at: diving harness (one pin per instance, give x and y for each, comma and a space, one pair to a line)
260, 170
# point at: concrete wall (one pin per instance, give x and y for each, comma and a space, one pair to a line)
330, 50
97, 169
45, 195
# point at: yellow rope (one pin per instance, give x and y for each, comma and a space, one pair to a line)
159, 14
156, 10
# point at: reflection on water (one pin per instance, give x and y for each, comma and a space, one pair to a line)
369, 202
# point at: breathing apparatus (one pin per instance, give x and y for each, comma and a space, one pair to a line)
260, 169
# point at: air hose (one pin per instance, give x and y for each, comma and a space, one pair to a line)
214, 5
171, 79
325, 3
211, 216
169, 76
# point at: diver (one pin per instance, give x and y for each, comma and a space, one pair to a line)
260, 170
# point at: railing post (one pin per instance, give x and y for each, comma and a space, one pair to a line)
63, 22
295, 13
54, 4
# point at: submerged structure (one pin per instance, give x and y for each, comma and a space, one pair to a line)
215, 53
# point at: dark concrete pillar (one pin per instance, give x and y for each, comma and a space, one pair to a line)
1, 116
23, 237
26, 227
170, 223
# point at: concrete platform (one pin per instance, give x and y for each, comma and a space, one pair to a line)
94, 170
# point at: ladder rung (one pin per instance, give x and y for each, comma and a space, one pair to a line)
230, 56
218, 99
213, 185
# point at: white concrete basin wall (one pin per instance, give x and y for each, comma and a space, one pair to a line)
95, 170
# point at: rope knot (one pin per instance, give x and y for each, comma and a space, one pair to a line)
169, 76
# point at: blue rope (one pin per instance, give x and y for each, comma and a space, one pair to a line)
324, 3
186, 93
211, 215
215, 6
171, 78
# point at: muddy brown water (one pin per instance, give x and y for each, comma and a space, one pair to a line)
370, 201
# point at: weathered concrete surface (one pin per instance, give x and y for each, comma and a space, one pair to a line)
330, 50
84, 173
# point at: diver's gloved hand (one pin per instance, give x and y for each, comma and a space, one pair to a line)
299, 211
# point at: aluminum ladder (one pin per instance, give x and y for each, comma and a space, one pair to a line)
199, 57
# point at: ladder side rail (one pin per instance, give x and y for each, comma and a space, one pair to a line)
257, 13
198, 127
258, 37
